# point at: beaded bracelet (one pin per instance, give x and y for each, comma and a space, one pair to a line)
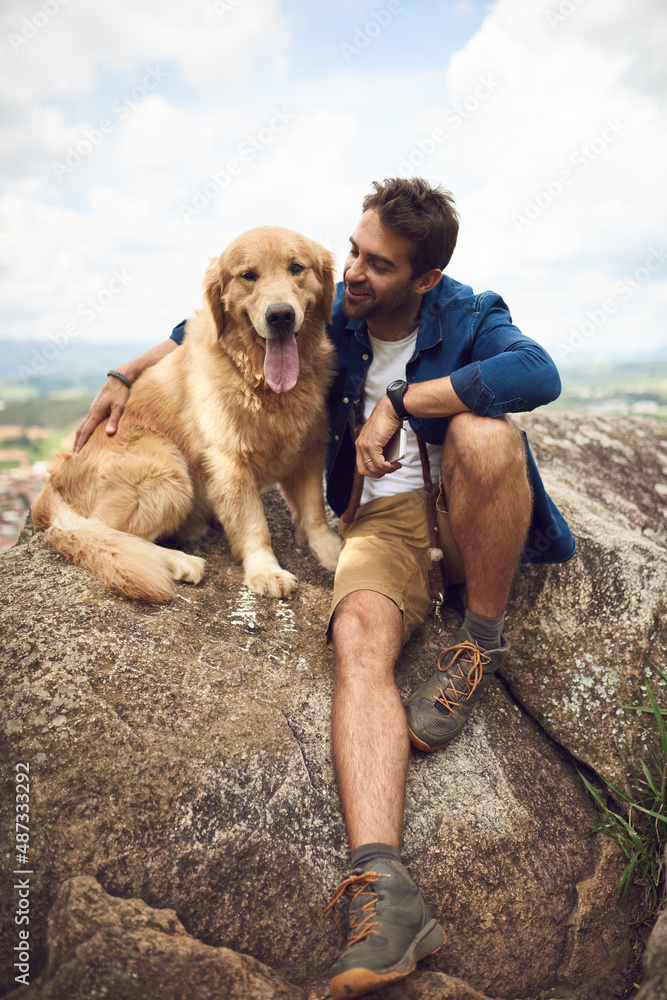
123, 378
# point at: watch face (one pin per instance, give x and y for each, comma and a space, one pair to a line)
395, 385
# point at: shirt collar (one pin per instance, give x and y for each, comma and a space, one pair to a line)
430, 330
360, 330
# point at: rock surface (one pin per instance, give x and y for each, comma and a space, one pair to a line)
654, 985
100, 946
584, 633
179, 754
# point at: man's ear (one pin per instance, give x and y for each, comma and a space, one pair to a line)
428, 280
325, 269
213, 291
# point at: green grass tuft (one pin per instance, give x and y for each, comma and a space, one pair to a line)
641, 828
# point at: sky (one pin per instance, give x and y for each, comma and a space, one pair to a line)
139, 138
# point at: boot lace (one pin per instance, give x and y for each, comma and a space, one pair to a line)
469, 676
363, 918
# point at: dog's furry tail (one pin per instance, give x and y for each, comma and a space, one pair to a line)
131, 565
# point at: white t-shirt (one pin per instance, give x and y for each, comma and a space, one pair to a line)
389, 360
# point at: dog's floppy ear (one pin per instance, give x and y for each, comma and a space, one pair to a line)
324, 267
213, 291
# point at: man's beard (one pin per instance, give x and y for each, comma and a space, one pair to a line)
374, 308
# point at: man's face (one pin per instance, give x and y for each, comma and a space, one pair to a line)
377, 273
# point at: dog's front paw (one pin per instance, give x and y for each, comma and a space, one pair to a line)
326, 548
271, 582
185, 567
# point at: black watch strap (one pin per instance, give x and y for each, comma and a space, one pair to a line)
396, 391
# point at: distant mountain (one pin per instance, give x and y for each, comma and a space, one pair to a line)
643, 366
30, 369
600, 361
30, 360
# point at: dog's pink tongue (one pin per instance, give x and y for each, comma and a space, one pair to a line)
281, 365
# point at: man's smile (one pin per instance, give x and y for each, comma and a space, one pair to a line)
358, 294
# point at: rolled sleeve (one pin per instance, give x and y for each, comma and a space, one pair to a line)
508, 372
178, 332
509, 383
468, 384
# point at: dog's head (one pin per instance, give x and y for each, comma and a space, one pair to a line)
268, 288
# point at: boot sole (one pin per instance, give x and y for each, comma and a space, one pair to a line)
424, 746
358, 982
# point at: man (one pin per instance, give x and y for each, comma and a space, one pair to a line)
413, 346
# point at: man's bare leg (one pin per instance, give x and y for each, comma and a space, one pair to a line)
489, 503
370, 743
369, 730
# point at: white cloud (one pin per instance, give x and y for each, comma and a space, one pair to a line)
561, 169
212, 42
523, 101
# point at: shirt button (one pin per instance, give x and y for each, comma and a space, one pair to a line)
335, 437
345, 399
364, 357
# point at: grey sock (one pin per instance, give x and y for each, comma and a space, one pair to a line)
485, 631
362, 856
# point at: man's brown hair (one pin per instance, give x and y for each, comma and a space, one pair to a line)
423, 214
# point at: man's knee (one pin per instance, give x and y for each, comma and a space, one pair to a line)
366, 626
483, 446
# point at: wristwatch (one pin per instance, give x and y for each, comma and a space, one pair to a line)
396, 391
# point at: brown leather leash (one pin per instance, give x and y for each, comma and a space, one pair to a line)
435, 576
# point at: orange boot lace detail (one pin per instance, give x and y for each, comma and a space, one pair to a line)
451, 696
363, 920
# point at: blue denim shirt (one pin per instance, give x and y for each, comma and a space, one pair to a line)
494, 369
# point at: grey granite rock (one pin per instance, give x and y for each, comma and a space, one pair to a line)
179, 754
121, 949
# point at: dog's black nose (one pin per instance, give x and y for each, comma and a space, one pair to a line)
280, 315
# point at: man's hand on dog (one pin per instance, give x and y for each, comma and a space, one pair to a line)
372, 439
109, 402
112, 398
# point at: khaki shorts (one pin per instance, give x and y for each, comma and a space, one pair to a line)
386, 549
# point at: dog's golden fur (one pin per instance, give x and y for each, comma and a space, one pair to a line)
203, 433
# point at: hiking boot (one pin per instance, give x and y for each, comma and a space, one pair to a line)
438, 711
390, 929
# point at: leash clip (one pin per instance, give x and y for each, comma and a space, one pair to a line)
437, 616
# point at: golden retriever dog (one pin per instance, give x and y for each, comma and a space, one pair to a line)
238, 407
